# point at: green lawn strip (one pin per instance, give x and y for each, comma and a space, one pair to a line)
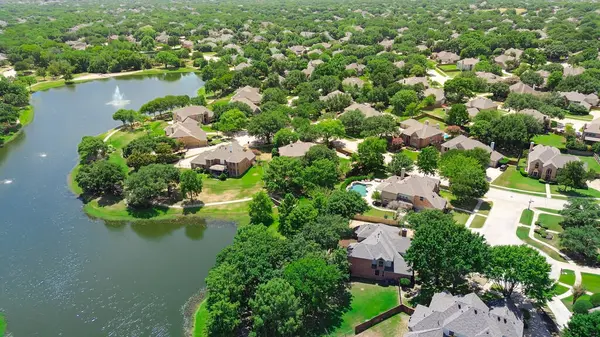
568, 301
478, 221
551, 221
411, 154
448, 67
237, 212
548, 210
550, 139
469, 205
523, 234
580, 117
396, 325
200, 320
26, 115
433, 122
460, 217
567, 276
208, 128
554, 242
379, 213
73, 185
526, 217
591, 282
124, 136
224, 99
2, 324
559, 289
582, 193
368, 301
511, 178
438, 112
521, 192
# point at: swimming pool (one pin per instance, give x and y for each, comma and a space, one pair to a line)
360, 188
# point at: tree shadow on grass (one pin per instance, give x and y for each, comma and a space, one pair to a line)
148, 212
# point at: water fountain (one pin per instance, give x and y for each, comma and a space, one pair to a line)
118, 99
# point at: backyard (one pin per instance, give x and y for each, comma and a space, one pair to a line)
550, 139
368, 301
216, 190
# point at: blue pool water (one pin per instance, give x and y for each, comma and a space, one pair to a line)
360, 188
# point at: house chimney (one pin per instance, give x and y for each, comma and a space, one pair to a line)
404, 232
492, 145
402, 173
427, 122
531, 145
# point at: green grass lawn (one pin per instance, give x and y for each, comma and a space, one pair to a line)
554, 242
460, 217
200, 320
368, 300
523, 234
591, 282
526, 217
124, 136
478, 221
232, 188
438, 112
582, 193
548, 210
448, 67
208, 128
550, 139
393, 326
568, 301
379, 213
411, 154
567, 276
580, 117
552, 221
511, 178
485, 207
2, 324
469, 205
559, 289
591, 163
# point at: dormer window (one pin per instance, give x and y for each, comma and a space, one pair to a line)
380, 262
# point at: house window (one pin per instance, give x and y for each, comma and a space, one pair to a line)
376, 272
380, 263
537, 165
421, 198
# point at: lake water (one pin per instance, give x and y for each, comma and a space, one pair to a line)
63, 274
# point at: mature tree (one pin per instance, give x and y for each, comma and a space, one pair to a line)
167, 58
400, 161
402, 99
427, 160
582, 242
338, 103
150, 182
266, 124
379, 126
579, 212
276, 311
346, 204
190, 183
583, 325
91, 148
286, 206
327, 230
125, 116
520, 266
284, 137
139, 159
442, 252
223, 300
500, 90
100, 177
321, 288
532, 78
330, 129
457, 89
512, 132
370, 154
353, 122
231, 121
318, 152
554, 79
300, 215
284, 175
274, 95
261, 209
574, 175
457, 115
321, 173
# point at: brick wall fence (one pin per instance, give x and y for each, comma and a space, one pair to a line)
376, 219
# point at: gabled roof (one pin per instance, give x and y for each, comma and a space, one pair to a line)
415, 80
366, 109
187, 128
295, 150
229, 153
522, 88
422, 131
437, 92
469, 61
550, 156
414, 186
488, 77
482, 103
540, 117
573, 71
353, 81
192, 111
378, 241
446, 57
249, 93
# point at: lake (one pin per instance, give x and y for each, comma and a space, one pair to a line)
64, 274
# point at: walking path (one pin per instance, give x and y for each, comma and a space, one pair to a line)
548, 193
209, 204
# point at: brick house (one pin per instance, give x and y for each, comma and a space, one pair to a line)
591, 131
188, 133
546, 161
420, 135
198, 113
231, 159
378, 254
463, 143
412, 192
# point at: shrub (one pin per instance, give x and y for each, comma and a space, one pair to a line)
526, 314
522, 171
503, 161
582, 306
223, 177
595, 299
404, 282
553, 124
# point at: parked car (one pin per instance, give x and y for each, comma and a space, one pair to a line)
503, 167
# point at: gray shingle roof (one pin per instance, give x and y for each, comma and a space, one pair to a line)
192, 111
187, 128
482, 103
378, 241
297, 149
414, 186
226, 153
550, 156
422, 131
366, 109
353, 81
249, 93
415, 80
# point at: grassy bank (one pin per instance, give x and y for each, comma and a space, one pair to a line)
2, 324
25, 117
200, 319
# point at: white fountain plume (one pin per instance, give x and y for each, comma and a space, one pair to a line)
118, 99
